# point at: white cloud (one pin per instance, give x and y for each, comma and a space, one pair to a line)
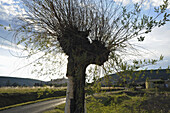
10, 9
136, 1
10, 48
159, 40
124, 2
5, 44
10, 64
156, 43
153, 2
9, 1
156, 2
146, 3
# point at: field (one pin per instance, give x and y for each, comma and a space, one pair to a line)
27, 89
142, 101
16, 95
116, 101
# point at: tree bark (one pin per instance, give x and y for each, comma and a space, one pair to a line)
81, 53
75, 97
69, 94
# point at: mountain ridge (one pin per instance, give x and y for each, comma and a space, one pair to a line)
6, 80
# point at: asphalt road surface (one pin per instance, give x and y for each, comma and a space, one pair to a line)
39, 107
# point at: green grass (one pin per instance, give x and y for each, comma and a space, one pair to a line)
146, 101
58, 109
13, 96
129, 102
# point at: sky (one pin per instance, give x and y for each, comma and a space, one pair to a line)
156, 43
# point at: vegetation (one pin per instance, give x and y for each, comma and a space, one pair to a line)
11, 96
58, 109
74, 27
28, 89
143, 101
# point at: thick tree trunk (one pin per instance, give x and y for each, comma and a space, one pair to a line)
75, 100
81, 53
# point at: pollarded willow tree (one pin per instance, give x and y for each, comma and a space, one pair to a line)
87, 31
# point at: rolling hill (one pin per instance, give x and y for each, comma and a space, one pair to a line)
137, 76
8, 81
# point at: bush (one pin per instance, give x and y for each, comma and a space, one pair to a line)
12, 98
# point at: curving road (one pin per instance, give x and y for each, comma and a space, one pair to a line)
39, 107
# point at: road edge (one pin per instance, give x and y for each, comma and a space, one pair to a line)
30, 102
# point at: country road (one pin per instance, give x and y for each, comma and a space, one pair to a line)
39, 107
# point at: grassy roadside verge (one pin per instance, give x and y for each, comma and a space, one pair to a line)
19, 96
30, 102
143, 101
58, 109
8, 98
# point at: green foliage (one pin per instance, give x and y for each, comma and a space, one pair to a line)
25, 94
144, 101
58, 109
112, 26
7, 28
126, 69
54, 111
167, 71
22, 40
118, 24
45, 93
128, 102
48, 92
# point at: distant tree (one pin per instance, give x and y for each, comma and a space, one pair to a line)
36, 84
87, 31
50, 84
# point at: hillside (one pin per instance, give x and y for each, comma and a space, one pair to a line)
138, 76
8, 81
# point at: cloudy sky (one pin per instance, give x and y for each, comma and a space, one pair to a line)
156, 43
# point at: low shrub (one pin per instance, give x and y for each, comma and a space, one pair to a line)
7, 99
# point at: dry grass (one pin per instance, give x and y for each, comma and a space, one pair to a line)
27, 89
